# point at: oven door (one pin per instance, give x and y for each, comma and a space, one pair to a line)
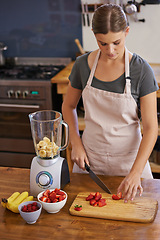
16, 144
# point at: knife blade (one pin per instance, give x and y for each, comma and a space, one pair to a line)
96, 179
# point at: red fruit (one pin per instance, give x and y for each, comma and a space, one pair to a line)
117, 196
101, 202
62, 197
56, 190
55, 200
90, 196
34, 208
34, 204
24, 208
46, 193
48, 200
29, 209
93, 202
52, 196
44, 199
78, 207
98, 196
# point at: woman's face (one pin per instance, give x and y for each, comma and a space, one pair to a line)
112, 44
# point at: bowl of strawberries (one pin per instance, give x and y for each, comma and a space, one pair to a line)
52, 200
30, 211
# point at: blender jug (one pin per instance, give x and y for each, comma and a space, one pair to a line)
46, 128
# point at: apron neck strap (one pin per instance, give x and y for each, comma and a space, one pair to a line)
89, 82
127, 89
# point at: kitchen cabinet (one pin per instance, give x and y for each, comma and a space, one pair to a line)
62, 225
61, 79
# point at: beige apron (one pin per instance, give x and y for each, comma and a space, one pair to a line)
112, 135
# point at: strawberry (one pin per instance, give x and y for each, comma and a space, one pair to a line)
93, 202
46, 193
78, 207
90, 196
56, 190
34, 208
117, 196
43, 199
52, 196
34, 204
62, 197
101, 202
98, 196
24, 208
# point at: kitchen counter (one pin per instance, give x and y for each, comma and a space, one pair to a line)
62, 225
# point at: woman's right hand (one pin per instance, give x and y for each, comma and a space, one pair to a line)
78, 155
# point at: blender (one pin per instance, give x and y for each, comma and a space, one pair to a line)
48, 168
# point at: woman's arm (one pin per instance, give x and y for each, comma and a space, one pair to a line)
69, 112
132, 182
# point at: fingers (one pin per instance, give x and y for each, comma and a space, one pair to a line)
140, 190
131, 193
129, 189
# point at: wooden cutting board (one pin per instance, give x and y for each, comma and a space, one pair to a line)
141, 209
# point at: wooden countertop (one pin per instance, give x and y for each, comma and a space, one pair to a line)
64, 226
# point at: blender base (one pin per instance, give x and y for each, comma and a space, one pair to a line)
48, 174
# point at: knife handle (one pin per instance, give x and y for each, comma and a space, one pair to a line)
87, 167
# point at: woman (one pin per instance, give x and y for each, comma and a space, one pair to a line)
113, 82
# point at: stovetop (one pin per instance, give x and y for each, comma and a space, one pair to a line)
32, 68
30, 72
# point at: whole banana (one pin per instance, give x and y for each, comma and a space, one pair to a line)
14, 200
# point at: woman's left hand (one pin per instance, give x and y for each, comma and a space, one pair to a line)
129, 186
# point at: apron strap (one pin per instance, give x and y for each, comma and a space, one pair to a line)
127, 89
93, 69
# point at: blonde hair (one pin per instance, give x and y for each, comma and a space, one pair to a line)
109, 17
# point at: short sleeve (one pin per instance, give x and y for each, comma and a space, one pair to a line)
75, 76
148, 83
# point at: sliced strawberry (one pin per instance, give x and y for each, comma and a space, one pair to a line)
90, 196
92, 202
98, 196
48, 200
52, 196
102, 202
56, 190
117, 196
46, 193
60, 193
43, 199
62, 197
55, 200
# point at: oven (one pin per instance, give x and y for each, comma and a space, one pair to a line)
23, 89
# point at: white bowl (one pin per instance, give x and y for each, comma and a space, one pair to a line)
52, 207
30, 217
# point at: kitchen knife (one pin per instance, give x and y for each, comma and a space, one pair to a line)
97, 179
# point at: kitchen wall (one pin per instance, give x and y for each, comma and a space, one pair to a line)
143, 37
40, 28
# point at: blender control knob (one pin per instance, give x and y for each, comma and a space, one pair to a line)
44, 180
